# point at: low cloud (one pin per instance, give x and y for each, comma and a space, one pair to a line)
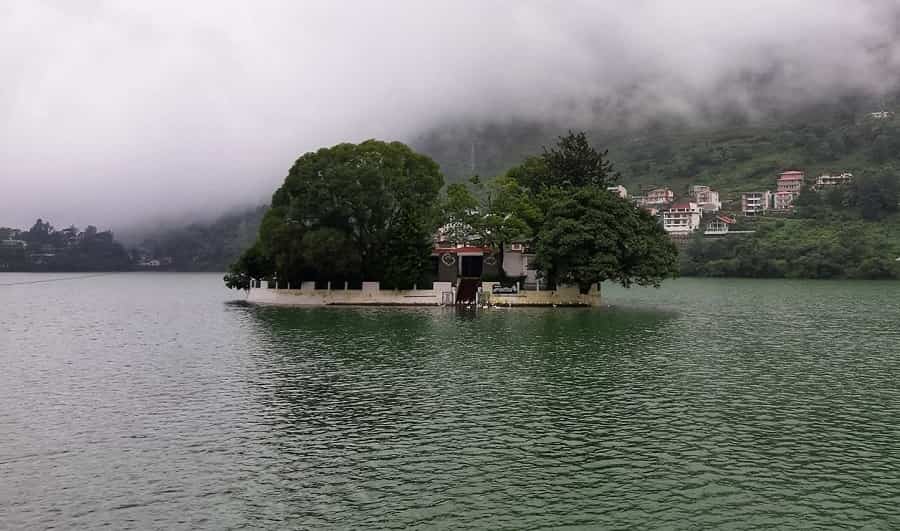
114, 113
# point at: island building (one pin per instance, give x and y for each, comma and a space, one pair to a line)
707, 199
465, 273
755, 203
827, 180
682, 217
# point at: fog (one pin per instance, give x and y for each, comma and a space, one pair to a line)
116, 113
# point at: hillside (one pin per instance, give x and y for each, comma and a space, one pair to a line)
735, 155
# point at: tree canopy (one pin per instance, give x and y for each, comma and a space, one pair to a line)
592, 236
352, 212
582, 233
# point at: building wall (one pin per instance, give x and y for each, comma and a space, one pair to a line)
442, 293
491, 265
448, 272
513, 265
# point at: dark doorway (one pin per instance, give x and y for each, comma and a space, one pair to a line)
472, 266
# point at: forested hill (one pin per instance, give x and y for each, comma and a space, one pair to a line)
736, 154
210, 246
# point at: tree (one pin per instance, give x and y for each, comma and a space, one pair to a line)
252, 264
573, 162
460, 211
876, 196
503, 215
591, 236
353, 200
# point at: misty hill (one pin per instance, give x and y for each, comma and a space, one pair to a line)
199, 246
735, 154
44, 248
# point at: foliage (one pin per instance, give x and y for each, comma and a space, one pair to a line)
250, 265
353, 212
198, 246
801, 248
592, 236
573, 163
43, 248
583, 234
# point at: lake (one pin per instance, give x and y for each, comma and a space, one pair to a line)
160, 401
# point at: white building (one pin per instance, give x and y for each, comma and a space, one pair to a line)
881, 115
706, 198
755, 203
783, 200
682, 217
619, 190
720, 225
658, 197
823, 181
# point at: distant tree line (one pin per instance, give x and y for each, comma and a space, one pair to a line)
209, 246
44, 248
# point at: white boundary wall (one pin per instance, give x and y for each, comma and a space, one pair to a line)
369, 295
562, 296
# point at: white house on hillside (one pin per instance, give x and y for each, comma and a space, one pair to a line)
755, 203
682, 217
826, 180
706, 198
720, 225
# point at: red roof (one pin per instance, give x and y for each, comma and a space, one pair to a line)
791, 176
727, 219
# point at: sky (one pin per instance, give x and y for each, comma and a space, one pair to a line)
122, 112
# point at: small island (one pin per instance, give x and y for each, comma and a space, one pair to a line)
373, 224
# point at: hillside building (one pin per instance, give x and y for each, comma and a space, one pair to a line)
791, 181
706, 198
720, 225
826, 180
682, 217
755, 203
619, 190
658, 197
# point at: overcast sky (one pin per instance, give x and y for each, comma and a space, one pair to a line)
113, 112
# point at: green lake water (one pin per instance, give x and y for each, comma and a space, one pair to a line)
160, 401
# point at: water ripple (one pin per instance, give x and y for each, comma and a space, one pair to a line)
149, 402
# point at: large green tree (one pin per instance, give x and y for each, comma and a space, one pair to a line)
353, 212
582, 233
592, 235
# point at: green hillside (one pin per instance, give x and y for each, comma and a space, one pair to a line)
849, 233
734, 156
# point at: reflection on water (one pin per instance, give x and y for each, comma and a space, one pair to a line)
157, 402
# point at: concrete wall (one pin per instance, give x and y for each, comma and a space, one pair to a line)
369, 295
512, 264
491, 265
563, 296
448, 273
